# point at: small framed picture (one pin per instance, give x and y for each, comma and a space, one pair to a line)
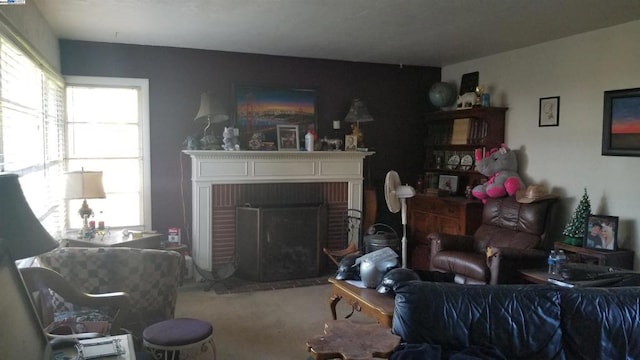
601, 232
549, 111
288, 138
448, 183
350, 143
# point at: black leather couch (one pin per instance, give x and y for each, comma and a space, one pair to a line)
519, 321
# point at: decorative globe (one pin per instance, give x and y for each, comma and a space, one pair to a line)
442, 94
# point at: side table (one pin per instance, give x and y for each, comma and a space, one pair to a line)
115, 238
125, 341
621, 258
180, 249
343, 339
368, 301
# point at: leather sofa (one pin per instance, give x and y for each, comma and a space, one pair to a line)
519, 321
516, 233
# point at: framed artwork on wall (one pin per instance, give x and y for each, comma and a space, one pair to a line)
288, 137
621, 122
549, 111
601, 232
259, 110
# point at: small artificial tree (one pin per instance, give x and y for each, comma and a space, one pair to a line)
574, 230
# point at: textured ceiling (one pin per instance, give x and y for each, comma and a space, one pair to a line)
408, 32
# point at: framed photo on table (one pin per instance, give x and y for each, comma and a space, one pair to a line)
288, 137
601, 232
621, 123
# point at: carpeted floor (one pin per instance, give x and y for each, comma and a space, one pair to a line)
264, 325
234, 284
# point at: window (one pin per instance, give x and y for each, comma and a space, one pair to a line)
31, 129
107, 130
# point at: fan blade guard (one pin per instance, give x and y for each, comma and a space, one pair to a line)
391, 183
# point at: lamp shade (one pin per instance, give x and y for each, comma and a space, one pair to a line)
19, 227
358, 112
212, 109
83, 185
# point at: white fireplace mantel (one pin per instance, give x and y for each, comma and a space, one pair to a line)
209, 167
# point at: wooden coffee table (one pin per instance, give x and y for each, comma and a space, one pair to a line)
346, 340
367, 301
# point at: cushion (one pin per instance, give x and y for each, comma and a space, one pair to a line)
601, 323
177, 332
523, 321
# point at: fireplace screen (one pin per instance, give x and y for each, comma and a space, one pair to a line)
281, 242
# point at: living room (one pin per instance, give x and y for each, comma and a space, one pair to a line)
566, 158
563, 158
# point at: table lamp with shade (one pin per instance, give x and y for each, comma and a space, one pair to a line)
212, 110
19, 227
84, 185
357, 114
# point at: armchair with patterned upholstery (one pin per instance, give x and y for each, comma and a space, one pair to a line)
104, 311
512, 236
149, 278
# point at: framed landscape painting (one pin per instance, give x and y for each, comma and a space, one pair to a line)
621, 123
260, 110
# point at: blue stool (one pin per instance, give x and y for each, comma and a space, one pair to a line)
179, 339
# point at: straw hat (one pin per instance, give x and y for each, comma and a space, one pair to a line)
533, 193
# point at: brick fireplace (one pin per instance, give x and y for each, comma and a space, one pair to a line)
224, 180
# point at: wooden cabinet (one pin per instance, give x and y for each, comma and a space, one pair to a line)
447, 214
452, 137
621, 258
450, 214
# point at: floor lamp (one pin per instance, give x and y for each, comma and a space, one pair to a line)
21, 236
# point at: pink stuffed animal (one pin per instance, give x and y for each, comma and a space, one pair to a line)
501, 166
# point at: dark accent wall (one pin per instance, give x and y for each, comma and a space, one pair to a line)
395, 95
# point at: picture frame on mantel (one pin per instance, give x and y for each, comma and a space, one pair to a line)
260, 109
621, 123
288, 137
549, 111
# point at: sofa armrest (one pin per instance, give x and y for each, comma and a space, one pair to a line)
449, 242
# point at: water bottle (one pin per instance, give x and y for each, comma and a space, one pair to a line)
561, 260
308, 141
551, 260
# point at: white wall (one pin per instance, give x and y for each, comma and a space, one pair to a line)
568, 158
28, 21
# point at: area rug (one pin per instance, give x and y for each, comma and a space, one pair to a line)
236, 284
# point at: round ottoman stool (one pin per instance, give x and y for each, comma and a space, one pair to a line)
179, 339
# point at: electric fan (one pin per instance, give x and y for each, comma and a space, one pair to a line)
396, 196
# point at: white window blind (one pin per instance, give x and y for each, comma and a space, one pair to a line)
31, 130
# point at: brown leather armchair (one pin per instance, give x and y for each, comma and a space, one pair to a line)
512, 236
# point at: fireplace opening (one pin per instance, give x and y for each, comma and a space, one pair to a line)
281, 242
